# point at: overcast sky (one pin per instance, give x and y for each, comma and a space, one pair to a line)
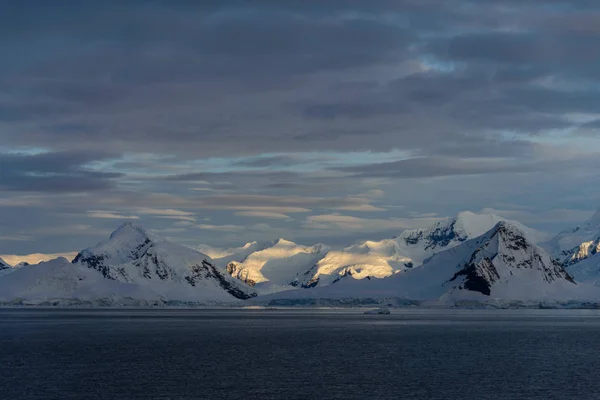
221, 122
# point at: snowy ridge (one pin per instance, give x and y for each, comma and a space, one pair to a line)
36, 258
502, 264
442, 265
506, 264
59, 279
5, 268
419, 244
367, 260
234, 253
575, 245
132, 255
281, 263
387, 257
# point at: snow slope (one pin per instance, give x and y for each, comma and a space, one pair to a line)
234, 253
501, 264
58, 280
573, 246
5, 268
133, 255
587, 270
280, 263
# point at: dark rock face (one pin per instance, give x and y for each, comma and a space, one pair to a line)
480, 274
311, 283
234, 270
574, 255
475, 277
101, 262
414, 238
209, 271
441, 236
95, 261
347, 272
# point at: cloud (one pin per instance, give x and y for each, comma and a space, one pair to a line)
75, 229
347, 223
428, 167
109, 215
54, 172
16, 238
262, 214
221, 228
174, 113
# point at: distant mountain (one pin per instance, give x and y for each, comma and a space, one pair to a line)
408, 250
272, 266
133, 255
5, 268
234, 253
471, 257
418, 244
21, 264
575, 245
36, 258
500, 264
587, 270
61, 282
578, 250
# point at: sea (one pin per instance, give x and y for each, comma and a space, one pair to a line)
298, 354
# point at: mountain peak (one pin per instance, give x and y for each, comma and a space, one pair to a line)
134, 256
129, 228
283, 242
593, 223
505, 227
504, 254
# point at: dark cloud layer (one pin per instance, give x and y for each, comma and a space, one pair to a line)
122, 108
218, 78
54, 172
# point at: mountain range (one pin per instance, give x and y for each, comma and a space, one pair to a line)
472, 258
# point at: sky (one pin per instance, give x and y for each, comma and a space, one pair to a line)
222, 122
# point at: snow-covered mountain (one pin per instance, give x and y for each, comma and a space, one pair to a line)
366, 260
578, 250
233, 253
408, 250
272, 266
21, 264
501, 264
419, 244
586, 270
133, 255
61, 282
575, 245
5, 268
472, 257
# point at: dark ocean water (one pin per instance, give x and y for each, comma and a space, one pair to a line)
210, 354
